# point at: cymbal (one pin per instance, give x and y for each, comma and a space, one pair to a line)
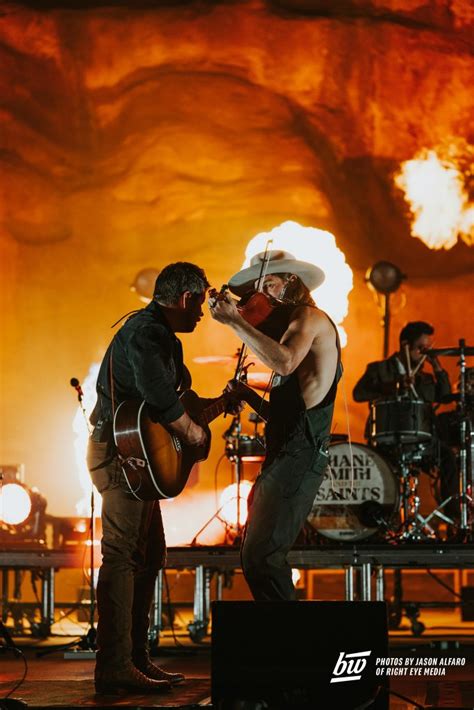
258, 380
215, 359
454, 352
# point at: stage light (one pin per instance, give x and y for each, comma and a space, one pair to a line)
385, 277
15, 504
22, 515
228, 503
144, 284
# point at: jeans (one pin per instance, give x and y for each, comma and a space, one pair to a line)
279, 503
133, 550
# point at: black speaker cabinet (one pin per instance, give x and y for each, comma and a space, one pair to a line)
303, 654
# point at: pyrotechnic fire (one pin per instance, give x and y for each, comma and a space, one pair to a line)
434, 188
81, 431
317, 247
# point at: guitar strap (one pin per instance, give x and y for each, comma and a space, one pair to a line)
111, 377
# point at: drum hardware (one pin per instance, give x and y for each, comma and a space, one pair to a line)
466, 449
465, 440
413, 525
400, 420
462, 351
249, 449
384, 499
241, 449
407, 425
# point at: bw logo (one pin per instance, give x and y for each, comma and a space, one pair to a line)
349, 666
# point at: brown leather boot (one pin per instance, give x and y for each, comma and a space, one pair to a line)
153, 671
128, 680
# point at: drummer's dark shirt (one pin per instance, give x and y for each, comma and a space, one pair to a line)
380, 380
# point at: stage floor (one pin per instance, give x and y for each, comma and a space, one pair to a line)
55, 682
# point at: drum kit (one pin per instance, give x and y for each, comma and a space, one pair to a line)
372, 491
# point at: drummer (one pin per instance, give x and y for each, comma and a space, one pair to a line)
394, 376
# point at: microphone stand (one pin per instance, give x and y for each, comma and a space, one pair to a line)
86, 646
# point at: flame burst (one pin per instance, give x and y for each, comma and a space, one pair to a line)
319, 248
434, 188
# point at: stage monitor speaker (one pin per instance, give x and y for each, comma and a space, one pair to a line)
303, 654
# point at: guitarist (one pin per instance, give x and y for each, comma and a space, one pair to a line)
144, 361
306, 360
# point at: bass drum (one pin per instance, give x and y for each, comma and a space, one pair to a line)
342, 514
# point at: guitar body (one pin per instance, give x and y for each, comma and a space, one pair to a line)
156, 464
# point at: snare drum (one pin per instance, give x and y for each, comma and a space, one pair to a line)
344, 513
400, 421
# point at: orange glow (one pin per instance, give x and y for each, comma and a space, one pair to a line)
15, 504
228, 503
318, 247
434, 189
81, 431
191, 514
80, 527
295, 575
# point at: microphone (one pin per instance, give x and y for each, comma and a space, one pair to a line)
74, 382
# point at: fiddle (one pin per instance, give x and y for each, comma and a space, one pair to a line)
257, 308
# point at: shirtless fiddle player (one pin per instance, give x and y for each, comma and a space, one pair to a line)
306, 360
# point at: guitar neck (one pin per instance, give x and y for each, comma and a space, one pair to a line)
213, 410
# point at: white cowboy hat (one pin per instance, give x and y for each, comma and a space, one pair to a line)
280, 262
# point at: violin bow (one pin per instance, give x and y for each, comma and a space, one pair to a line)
239, 368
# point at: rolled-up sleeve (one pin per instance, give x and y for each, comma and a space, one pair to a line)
148, 351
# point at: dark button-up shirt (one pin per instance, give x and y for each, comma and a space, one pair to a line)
147, 363
380, 380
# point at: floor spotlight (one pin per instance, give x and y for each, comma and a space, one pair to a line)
22, 514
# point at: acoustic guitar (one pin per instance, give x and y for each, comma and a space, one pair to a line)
155, 462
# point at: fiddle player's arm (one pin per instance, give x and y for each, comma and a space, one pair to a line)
285, 356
